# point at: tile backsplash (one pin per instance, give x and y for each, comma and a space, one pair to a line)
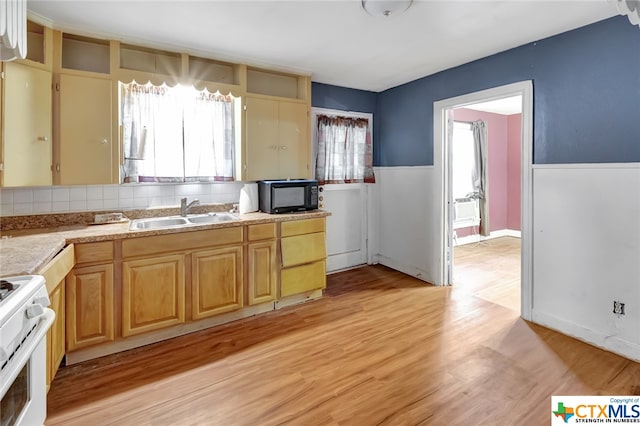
78, 198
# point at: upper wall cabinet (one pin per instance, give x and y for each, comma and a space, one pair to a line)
85, 151
270, 83
26, 130
277, 141
78, 133
85, 54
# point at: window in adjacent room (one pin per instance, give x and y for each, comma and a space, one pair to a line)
176, 134
462, 153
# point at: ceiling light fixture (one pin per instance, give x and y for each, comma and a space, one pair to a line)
385, 8
631, 8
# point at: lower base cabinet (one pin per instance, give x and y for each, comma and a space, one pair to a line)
216, 281
152, 294
303, 278
150, 288
55, 336
89, 306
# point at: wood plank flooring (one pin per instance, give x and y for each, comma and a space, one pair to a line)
381, 348
490, 270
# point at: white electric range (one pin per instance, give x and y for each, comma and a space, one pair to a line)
24, 322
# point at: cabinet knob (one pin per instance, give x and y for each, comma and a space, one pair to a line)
283, 147
43, 138
104, 141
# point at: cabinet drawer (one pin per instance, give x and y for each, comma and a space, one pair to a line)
264, 231
301, 249
94, 252
303, 278
57, 269
299, 227
144, 246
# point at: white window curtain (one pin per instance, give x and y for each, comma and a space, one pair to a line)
208, 137
152, 133
176, 134
345, 153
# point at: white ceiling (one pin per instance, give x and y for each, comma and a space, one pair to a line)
336, 42
505, 106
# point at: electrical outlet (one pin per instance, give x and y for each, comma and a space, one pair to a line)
618, 308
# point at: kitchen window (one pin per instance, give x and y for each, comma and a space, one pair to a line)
176, 134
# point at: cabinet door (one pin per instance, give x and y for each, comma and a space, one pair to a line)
89, 302
261, 143
55, 335
262, 272
293, 140
303, 278
85, 130
152, 294
26, 110
217, 281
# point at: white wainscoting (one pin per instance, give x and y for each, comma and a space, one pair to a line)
408, 212
586, 253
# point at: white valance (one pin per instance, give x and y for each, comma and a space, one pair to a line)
13, 29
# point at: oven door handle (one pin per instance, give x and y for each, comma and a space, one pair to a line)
21, 358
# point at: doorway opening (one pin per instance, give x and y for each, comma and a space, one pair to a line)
485, 141
472, 209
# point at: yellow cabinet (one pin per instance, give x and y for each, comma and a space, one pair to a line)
216, 281
262, 268
89, 303
54, 274
152, 294
56, 335
277, 144
26, 130
303, 253
85, 140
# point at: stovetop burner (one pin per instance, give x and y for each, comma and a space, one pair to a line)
6, 287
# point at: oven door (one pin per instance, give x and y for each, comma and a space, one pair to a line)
24, 389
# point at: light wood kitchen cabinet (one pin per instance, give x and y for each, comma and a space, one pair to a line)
155, 280
262, 272
56, 335
54, 274
303, 250
26, 126
152, 294
85, 140
90, 306
216, 281
277, 144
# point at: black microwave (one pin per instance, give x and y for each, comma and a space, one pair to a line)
284, 196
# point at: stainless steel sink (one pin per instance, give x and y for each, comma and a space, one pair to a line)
211, 218
179, 222
157, 223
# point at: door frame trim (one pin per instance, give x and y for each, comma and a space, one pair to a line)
441, 150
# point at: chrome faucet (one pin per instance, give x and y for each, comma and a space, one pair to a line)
184, 207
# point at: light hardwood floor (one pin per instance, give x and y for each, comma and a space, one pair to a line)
381, 348
490, 270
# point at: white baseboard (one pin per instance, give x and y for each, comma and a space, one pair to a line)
613, 344
407, 269
471, 239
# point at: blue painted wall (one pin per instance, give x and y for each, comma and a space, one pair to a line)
342, 98
586, 98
